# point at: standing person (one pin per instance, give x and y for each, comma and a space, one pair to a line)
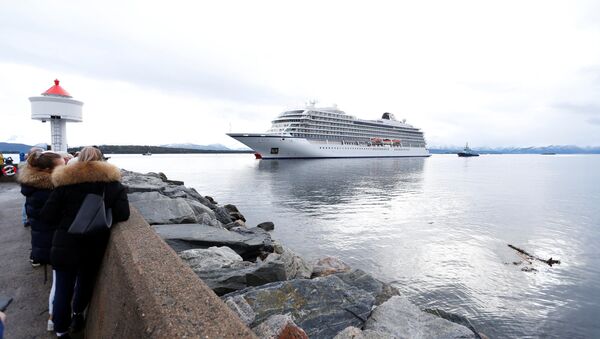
77, 258
31, 151
36, 186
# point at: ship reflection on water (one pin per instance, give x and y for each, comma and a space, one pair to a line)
325, 182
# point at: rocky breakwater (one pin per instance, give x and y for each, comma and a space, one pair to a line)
273, 290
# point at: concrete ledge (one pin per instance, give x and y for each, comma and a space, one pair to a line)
145, 291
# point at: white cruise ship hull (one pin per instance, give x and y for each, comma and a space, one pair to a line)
285, 147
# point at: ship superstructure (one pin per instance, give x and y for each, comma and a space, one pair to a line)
331, 133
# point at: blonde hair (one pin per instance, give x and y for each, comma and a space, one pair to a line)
90, 154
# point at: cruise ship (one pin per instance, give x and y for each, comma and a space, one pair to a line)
331, 133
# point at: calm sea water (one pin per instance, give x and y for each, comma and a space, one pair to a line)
436, 228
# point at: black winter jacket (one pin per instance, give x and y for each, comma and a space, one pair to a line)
36, 186
72, 183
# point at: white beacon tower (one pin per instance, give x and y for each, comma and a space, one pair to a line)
57, 106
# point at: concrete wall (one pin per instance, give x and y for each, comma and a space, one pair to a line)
145, 291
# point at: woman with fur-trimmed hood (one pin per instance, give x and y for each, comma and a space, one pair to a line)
36, 186
77, 258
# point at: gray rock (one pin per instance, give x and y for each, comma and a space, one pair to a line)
158, 209
188, 236
224, 271
295, 266
355, 333
240, 306
231, 225
350, 332
188, 193
137, 182
231, 208
457, 319
378, 289
212, 201
237, 216
399, 318
204, 215
210, 258
223, 215
279, 326
322, 306
329, 265
267, 226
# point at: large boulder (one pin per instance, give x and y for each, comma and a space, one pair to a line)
158, 182
137, 182
175, 191
329, 265
295, 266
157, 208
210, 258
361, 279
322, 307
224, 271
399, 318
279, 327
204, 215
181, 237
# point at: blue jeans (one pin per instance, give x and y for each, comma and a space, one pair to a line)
73, 288
24, 216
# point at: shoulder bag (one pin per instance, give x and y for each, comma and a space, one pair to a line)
93, 217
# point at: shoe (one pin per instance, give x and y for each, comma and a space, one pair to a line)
64, 336
77, 322
34, 263
50, 326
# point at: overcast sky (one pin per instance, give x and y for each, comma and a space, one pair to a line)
503, 73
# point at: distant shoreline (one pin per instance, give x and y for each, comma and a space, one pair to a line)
134, 149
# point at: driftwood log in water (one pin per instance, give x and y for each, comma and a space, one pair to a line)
548, 261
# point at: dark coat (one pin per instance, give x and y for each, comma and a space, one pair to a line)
36, 186
72, 183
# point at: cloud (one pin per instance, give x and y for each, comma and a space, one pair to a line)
594, 121
585, 109
103, 54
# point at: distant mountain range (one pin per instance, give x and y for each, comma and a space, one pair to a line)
141, 149
7, 147
558, 149
211, 147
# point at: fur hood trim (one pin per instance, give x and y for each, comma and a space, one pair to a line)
35, 177
88, 171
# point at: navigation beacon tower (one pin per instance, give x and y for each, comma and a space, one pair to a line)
57, 106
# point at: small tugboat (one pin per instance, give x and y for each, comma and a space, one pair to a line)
467, 152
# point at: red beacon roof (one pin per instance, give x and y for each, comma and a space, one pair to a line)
57, 90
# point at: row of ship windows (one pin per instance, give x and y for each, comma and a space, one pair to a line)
347, 137
347, 134
335, 122
339, 127
364, 148
359, 129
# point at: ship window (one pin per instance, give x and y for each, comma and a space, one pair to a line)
275, 150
